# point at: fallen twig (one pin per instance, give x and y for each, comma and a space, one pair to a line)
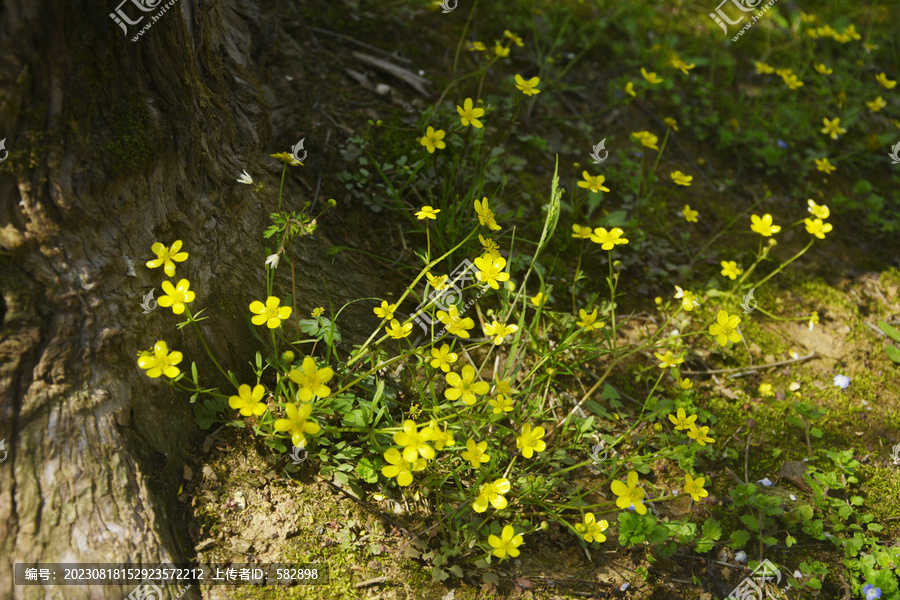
741, 371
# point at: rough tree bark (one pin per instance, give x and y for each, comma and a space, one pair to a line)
114, 145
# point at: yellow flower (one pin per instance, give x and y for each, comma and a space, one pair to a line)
792, 81
686, 384
443, 358
826, 31
725, 328
288, 159
500, 50
427, 212
700, 435
477, 47
311, 380
679, 64
592, 529
763, 69
883, 80
817, 227
318, 311
538, 299
401, 468
763, 226
269, 313
414, 442
499, 331
629, 494
647, 139
455, 325
433, 140
766, 389
465, 387
438, 283
671, 123
877, 104
385, 311
681, 179
501, 404
690, 215
689, 300
824, 166
490, 270
247, 401
492, 493
414, 411
398, 331
515, 39
833, 128
296, 423
651, 77
595, 184
529, 88
469, 114
588, 321
805, 18
161, 361
629, 89
730, 269
474, 453
681, 420
694, 487
439, 437
869, 48
176, 296
668, 360
608, 239
821, 68
485, 214
581, 232
530, 440
813, 320
489, 245
165, 256
819, 210
506, 544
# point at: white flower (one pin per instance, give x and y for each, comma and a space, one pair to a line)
842, 381
245, 178
766, 482
741, 557
272, 260
794, 386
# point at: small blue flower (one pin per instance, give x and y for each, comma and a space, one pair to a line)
871, 591
766, 482
782, 144
842, 381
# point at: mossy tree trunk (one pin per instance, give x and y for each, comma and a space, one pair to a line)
116, 144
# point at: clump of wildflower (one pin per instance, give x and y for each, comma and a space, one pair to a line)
492, 493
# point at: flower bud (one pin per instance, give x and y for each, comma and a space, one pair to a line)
332, 202
657, 427
288, 357
545, 525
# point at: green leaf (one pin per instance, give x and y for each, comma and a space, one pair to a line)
889, 330
893, 353
366, 471
712, 529
438, 574
750, 521
790, 540
740, 538
814, 583
704, 545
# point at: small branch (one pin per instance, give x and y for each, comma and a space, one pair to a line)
740, 371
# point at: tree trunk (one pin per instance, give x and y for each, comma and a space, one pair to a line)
116, 144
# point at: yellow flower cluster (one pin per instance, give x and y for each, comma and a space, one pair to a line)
683, 422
